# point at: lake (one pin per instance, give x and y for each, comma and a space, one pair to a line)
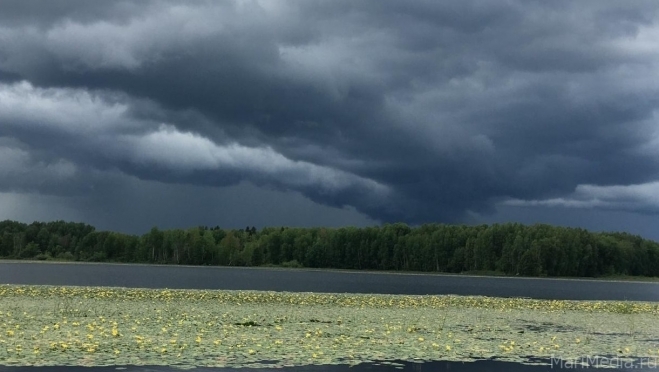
328, 281
325, 281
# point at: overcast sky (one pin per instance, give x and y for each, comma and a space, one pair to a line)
130, 114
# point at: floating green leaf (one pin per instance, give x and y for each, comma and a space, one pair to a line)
84, 326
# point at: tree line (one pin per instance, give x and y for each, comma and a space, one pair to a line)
510, 248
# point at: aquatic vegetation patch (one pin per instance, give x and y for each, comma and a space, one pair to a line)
47, 325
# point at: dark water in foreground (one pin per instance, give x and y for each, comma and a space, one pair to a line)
479, 366
188, 277
301, 280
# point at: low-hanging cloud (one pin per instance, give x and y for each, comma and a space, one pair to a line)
20, 171
99, 128
638, 198
418, 111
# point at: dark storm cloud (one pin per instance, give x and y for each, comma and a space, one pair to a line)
23, 170
415, 111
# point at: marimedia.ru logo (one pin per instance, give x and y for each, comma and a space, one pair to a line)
605, 362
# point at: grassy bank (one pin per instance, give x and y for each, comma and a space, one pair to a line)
42, 325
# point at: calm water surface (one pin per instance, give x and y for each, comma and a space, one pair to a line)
191, 277
300, 280
478, 366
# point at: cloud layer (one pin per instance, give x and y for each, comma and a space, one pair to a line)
417, 112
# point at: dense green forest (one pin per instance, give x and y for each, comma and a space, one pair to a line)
514, 249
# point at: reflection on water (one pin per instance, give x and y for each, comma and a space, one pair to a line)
478, 366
